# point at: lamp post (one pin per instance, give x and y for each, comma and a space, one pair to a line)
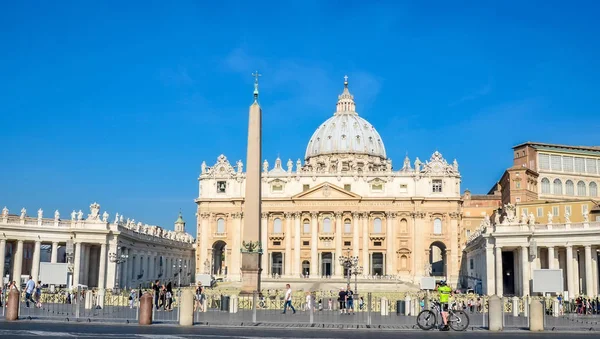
117, 259
179, 266
356, 271
350, 263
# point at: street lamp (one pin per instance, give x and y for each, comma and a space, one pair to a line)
356, 271
117, 259
350, 263
180, 266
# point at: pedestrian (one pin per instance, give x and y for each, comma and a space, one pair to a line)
309, 305
38, 294
342, 300
29, 289
199, 299
131, 298
361, 303
169, 296
288, 299
349, 300
156, 289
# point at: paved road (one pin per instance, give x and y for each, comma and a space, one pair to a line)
37, 330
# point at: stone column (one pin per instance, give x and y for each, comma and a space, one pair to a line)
288, 245
236, 254
355, 234
452, 257
203, 233
18, 262
389, 243
595, 271
314, 242
551, 258
86, 264
365, 244
102, 268
338, 270
54, 253
525, 269
297, 261
490, 270
418, 237
77, 265
499, 272
35, 265
570, 280
589, 284
2, 259
264, 240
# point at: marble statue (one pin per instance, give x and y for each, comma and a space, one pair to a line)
94, 211
531, 219
455, 165
298, 165
56, 215
203, 167
240, 166
80, 215
23, 213
73, 215
5, 212
265, 166
40, 214
105, 216
567, 217
121, 218
550, 216
290, 165
523, 217
586, 217
497, 219
406, 166
486, 220
418, 164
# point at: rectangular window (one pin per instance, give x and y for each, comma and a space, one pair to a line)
468, 233
306, 228
348, 187
377, 187
305, 243
347, 243
221, 186
276, 243
568, 164
471, 264
347, 227
544, 161
584, 209
377, 243
540, 212
277, 187
518, 199
590, 165
403, 188
555, 211
556, 162
436, 186
579, 165
305, 188
518, 184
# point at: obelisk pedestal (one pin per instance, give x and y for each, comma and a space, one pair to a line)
252, 248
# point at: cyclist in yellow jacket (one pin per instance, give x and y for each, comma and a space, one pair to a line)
444, 291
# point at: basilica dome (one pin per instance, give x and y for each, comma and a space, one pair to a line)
345, 132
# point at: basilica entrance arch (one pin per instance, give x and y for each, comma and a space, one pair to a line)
437, 259
218, 258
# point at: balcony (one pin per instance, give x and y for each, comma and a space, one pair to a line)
277, 236
220, 235
377, 236
326, 236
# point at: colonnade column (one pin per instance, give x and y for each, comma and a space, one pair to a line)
490, 270
365, 244
389, 242
35, 265
499, 285
570, 280
236, 254
589, 284
339, 270
2, 259
102, 268
288, 245
297, 261
595, 271
525, 269
54, 253
314, 242
76, 264
18, 263
355, 235
203, 234
551, 257
264, 242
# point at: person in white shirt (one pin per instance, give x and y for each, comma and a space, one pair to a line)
288, 299
29, 287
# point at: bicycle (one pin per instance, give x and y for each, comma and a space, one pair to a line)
428, 319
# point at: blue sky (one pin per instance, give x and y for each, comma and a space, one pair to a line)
120, 102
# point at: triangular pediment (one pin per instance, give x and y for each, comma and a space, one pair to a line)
326, 191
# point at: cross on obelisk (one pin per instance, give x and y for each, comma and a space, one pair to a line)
252, 247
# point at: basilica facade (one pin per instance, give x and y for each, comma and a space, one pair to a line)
343, 199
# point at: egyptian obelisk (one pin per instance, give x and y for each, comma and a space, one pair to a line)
251, 246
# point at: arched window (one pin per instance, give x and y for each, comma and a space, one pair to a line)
545, 186
306, 226
403, 226
581, 189
220, 225
326, 225
593, 189
557, 186
569, 188
377, 225
437, 226
277, 226
347, 226
404, 262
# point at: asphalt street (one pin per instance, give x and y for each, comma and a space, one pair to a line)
29, 329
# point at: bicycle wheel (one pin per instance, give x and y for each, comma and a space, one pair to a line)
426, 320
458, 321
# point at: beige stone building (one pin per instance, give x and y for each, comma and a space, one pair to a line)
343, 199
474, 209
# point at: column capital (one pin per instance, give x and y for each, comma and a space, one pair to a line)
264, 215
587, 247
314, 214
288, 215
238, 215
339, 214
355, 215
364, 215
20, 241
297, 215
390, 214
205, 215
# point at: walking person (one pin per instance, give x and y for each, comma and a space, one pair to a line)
288, 299
156, 289
199, 298
169, 296
38, 294
29, 288
132, 295
349, 300
342, 300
